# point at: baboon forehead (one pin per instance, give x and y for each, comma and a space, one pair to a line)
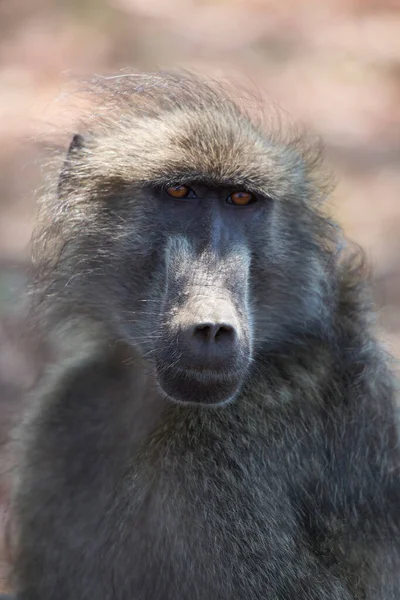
215, 145
177, 126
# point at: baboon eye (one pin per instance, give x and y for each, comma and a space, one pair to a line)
241, 198
180, 191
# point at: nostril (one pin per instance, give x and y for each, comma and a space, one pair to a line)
203, 332
224, 333
209, 332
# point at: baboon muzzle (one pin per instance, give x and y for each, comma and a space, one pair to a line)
205, 347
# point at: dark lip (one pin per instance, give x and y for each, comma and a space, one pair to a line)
204, 374
233, 371
205, 387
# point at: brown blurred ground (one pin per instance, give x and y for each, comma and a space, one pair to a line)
335, 65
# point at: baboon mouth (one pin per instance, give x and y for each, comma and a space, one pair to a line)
195, 386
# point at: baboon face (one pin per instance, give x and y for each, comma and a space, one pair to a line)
204, 342
200, 244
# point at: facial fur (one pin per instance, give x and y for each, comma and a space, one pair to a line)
160, 270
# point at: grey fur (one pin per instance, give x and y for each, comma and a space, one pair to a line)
288, 486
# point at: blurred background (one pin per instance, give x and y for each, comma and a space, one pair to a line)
332, 64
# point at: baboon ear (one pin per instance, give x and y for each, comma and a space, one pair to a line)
77, 143
75, 147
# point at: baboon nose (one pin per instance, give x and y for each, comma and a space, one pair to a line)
211, 345
210, 333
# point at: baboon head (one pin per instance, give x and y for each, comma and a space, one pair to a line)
194, 235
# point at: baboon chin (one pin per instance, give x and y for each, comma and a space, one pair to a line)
183, 253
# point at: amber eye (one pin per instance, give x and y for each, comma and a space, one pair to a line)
178, 191
241, 198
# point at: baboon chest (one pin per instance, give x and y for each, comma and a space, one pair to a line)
209, 516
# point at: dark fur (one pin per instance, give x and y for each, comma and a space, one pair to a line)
290, 490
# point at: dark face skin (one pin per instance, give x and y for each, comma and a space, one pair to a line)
197, 311
205, 344
194, 321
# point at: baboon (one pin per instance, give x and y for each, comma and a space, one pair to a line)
219, 421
